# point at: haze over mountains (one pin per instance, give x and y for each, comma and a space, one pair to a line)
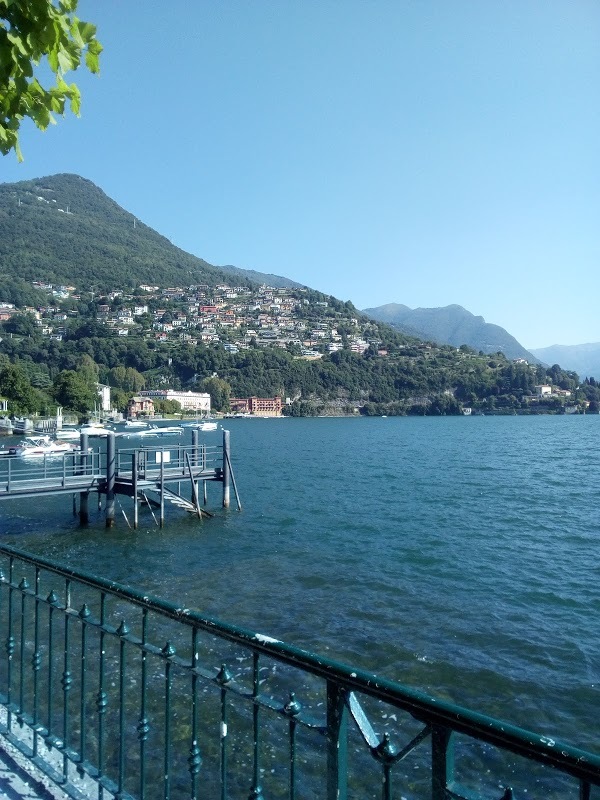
451, 324
584, 359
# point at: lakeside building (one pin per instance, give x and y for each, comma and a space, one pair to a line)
261, 406
104, 394
189, 401
140, 406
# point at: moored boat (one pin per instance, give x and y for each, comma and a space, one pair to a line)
207, 425
39, 446
95, 429
155, 430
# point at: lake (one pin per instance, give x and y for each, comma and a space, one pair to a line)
456, 555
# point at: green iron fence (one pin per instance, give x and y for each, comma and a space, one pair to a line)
113, 693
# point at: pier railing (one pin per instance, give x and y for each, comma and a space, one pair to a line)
134, 472
112, 692
50, 473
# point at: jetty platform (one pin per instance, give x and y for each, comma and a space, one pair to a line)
152, 476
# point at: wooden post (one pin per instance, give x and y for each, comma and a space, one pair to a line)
111, 469
226, 469
84, 516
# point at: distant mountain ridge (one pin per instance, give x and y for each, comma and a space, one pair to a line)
64, 228
584, 359
453, 325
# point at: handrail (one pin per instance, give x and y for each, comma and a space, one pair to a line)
441, 719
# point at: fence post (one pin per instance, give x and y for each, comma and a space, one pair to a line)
111, 468
337, 742
442, 761
226, 462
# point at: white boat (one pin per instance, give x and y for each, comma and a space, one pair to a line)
39, 446
135, 423
95, 429
155, 430
207, 425
70, 434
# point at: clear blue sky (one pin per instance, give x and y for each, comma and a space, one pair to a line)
423, 152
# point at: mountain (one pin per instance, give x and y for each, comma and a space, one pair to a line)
450, 325
584, 359
63, 228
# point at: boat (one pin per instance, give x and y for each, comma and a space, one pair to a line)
155, 430
70, 434
39, 446
95, 429
135, 423
206, 425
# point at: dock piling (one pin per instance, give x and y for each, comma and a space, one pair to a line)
84, 516
111, 468
226, 474
134, 487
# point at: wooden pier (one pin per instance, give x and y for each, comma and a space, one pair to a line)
154, 476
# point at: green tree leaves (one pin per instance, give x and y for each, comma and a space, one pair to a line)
74, 392
30, 31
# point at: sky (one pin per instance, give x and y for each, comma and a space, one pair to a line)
423, 152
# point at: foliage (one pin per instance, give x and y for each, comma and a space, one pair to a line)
95, 245
126, 378
16, 388
74, 392
219, 391
167, 407
416, 379
32, 31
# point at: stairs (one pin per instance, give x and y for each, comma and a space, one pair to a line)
173, 498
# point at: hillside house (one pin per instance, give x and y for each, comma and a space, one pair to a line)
140, 406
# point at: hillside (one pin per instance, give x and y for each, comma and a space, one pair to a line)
581, 358
221, 331
451, 324
63, 229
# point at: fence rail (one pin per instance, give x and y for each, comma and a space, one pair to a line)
115, 693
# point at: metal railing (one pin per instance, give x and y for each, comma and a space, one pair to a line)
115, 693
149, 462
62, 470
50, 471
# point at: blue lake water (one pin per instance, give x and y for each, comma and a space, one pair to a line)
455, 555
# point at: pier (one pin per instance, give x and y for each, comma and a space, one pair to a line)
155, 477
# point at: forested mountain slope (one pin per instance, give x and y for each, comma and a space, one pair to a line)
63, 229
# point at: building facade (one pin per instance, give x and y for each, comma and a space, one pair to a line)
189, 401
140, 406
260, 406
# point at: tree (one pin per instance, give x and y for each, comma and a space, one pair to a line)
15, 386
126, 378
32, 31
72, 391
219, 391
22, 325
